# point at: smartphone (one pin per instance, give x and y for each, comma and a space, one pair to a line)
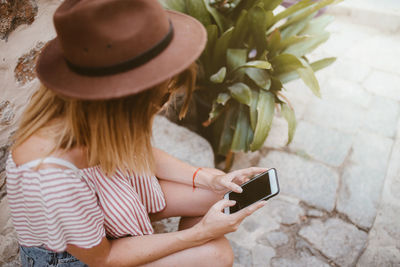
261, 187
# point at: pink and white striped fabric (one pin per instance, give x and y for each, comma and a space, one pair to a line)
55, 207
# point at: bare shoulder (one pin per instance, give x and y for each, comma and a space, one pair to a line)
37, 147
33, 148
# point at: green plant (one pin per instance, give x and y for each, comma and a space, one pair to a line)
250, 53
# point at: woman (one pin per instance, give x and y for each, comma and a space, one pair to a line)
83, 181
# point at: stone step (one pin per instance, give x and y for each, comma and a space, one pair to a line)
383, 15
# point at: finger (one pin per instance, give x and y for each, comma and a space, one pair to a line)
241, 180
231, 185
253, 171
248, 172
240, 215
234, 187
224, 203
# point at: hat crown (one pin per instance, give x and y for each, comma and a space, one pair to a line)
102, 33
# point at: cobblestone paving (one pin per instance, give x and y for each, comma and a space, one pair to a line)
340, 177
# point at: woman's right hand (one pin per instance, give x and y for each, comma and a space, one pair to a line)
216, 223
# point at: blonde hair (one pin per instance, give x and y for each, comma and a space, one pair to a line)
116, 133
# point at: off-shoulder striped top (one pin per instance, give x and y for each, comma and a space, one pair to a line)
54, 207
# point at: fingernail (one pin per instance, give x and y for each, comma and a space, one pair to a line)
240, 190
233, 202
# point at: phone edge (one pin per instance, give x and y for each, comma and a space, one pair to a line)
275, 182
226, 196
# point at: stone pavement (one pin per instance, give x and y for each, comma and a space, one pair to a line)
340, 177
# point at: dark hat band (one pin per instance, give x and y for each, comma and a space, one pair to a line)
126, 65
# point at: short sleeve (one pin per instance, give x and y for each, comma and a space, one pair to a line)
55, 208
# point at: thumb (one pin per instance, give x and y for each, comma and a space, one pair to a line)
224, 203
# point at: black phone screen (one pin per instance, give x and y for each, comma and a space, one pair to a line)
256, 189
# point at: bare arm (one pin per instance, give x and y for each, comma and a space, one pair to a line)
173, 169
133, 251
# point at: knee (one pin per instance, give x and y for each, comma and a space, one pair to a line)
221, 253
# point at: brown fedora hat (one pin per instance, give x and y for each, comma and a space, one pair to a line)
112, 48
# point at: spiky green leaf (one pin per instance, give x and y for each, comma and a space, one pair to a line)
259, 77
241, 92
285, 63
258, 23
276, 84
317, 25
177, 5
207, 58
198, 10
308, 77
250, 136
219, 76
236, 58
212, 36
222, 98
288, 30
309, 11
218, 17
240, 31
293, 40
253, 109
226, 131
265, 114
220, 49
288, 114
274, 41
243, 5
292, 9
308, 45
271, 4
320, 64
258, 64
239, 140
215, 112
288, 76
316, 66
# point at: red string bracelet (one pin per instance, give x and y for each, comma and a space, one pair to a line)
194, 176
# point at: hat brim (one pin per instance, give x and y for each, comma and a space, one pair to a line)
186, 46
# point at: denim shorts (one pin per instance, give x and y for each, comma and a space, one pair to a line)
41, 257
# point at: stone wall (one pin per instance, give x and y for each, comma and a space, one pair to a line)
25, 27
15, 13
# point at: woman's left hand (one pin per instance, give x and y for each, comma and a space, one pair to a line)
221, 182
